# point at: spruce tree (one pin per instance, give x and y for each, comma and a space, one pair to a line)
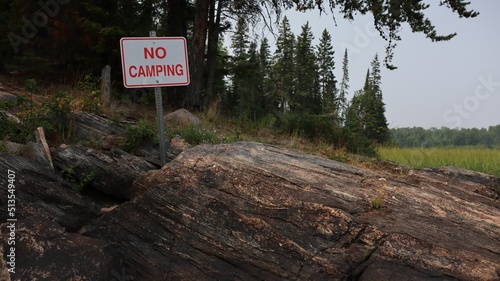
252, 99
283, 72
367, 108
365, 118
306, 99
380, 128
326, 66
239, 46
239, 41
265, 58
341, 102
355, 127
265, 64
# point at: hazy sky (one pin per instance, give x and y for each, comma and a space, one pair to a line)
452, 84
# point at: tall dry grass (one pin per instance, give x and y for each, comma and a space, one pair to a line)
473, 158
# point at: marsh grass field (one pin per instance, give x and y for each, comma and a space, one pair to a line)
483, 160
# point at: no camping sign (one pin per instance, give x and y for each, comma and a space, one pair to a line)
154, 61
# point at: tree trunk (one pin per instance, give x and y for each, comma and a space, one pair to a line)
177, 19
197, 54
213, 42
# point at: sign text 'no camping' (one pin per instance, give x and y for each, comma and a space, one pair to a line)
154, 61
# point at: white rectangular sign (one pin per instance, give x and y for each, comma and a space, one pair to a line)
154, 61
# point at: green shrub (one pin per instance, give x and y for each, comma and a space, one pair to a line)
31, 86
358, 143
79, 182
57, 113
92, 101
139, 133
91, 87
311, 127
54, 117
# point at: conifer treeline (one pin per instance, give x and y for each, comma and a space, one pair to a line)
62, 41
439, 137
298, 80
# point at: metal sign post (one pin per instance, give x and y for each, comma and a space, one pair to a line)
159, 117
155, 62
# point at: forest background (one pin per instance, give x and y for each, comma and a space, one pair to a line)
292, 88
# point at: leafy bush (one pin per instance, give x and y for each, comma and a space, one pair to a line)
57, 113
358, 143
91, 87
139, 133
54, 117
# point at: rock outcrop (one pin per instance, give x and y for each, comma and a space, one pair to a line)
50, 215
41, 193
110, 135
111, 173
7, 97
45, 251
248, 211
109, 170
91, 126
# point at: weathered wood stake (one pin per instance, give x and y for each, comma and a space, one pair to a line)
105, 86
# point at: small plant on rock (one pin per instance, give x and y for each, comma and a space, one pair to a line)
138, 133
377, 202
77, 182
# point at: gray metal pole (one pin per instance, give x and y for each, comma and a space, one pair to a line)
159, 117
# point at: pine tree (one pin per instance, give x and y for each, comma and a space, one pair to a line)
252, 98
283, 72
326, 66
265, 75
365, 119
375, 77
367, 108
246, 98
380, 131
341, 102
265, 57
239, 46
354, 128
239, 41
306, 99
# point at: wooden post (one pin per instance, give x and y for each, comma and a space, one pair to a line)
105, 86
